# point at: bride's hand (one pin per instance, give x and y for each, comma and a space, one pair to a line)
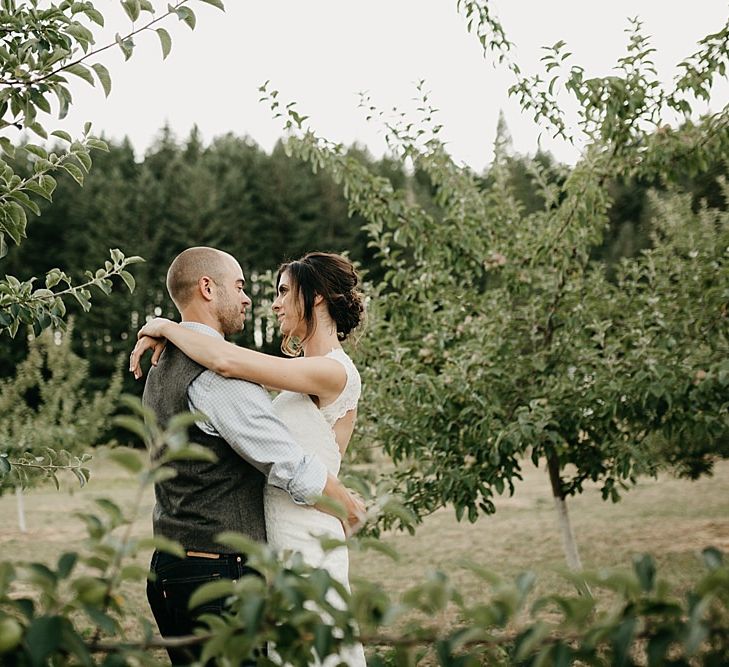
154, 328
144, 343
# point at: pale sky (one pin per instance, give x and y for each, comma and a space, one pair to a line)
322, 52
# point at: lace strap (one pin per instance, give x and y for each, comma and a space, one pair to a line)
349, 397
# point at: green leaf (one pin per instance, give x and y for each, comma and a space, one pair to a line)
645, 568
132, 8
133, 424
80, 476
41, 187
64, 100
395, 508
48, 183
35, 187
377, 544
126, 46
530, 639
5, 466
66, 563
37, 151
187, 15
331, 507
23, 198
133, 572
128, 279
127, 458
215, 3
73, 644
11, 634
81, 71
43, 638
191, 452
323, 638
74, 171
658, 647
61, 134
164, 544
41, 166
183, 420
163, 473
112, 510
623, 640
211, 591
165, 41
41, 101
713, 558
7, 146
104, 77
102, 620
97, 144
38, 129
18, 217
84, 160
95, 16
239, 543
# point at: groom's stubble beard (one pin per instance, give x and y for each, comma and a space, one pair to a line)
229, 315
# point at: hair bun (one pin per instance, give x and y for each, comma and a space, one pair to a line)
347, 312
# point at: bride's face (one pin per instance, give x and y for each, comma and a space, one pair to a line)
287, 309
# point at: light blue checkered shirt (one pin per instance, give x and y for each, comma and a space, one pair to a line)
241, 413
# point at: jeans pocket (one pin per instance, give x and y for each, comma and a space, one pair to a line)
177, 592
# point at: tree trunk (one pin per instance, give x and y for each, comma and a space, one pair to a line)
21, 509
563, 518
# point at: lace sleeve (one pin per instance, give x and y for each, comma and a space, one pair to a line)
349, 397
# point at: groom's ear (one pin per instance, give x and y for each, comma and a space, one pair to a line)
205, 285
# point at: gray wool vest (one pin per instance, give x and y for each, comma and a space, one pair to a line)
204, 498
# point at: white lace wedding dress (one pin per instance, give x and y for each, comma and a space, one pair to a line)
296, 527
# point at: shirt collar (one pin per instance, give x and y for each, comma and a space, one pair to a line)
202, 328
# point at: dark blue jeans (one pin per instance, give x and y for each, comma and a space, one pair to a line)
174, 582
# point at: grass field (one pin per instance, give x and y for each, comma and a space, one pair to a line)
673, 519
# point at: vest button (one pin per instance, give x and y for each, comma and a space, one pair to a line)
238, 559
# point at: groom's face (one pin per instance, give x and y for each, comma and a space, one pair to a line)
231, 299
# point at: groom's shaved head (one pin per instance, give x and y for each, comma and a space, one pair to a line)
191, 265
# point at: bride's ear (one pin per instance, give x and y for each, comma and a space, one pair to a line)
318, 298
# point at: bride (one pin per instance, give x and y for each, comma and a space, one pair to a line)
317, 304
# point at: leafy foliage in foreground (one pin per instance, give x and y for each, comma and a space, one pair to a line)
50, 422
74, 611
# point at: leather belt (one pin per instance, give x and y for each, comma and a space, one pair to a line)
202, 554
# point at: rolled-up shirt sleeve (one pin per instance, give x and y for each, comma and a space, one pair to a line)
241, 413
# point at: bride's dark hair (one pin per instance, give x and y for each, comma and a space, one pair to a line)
334, 278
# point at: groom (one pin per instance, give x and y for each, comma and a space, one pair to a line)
251, 445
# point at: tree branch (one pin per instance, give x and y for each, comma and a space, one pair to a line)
93, 53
